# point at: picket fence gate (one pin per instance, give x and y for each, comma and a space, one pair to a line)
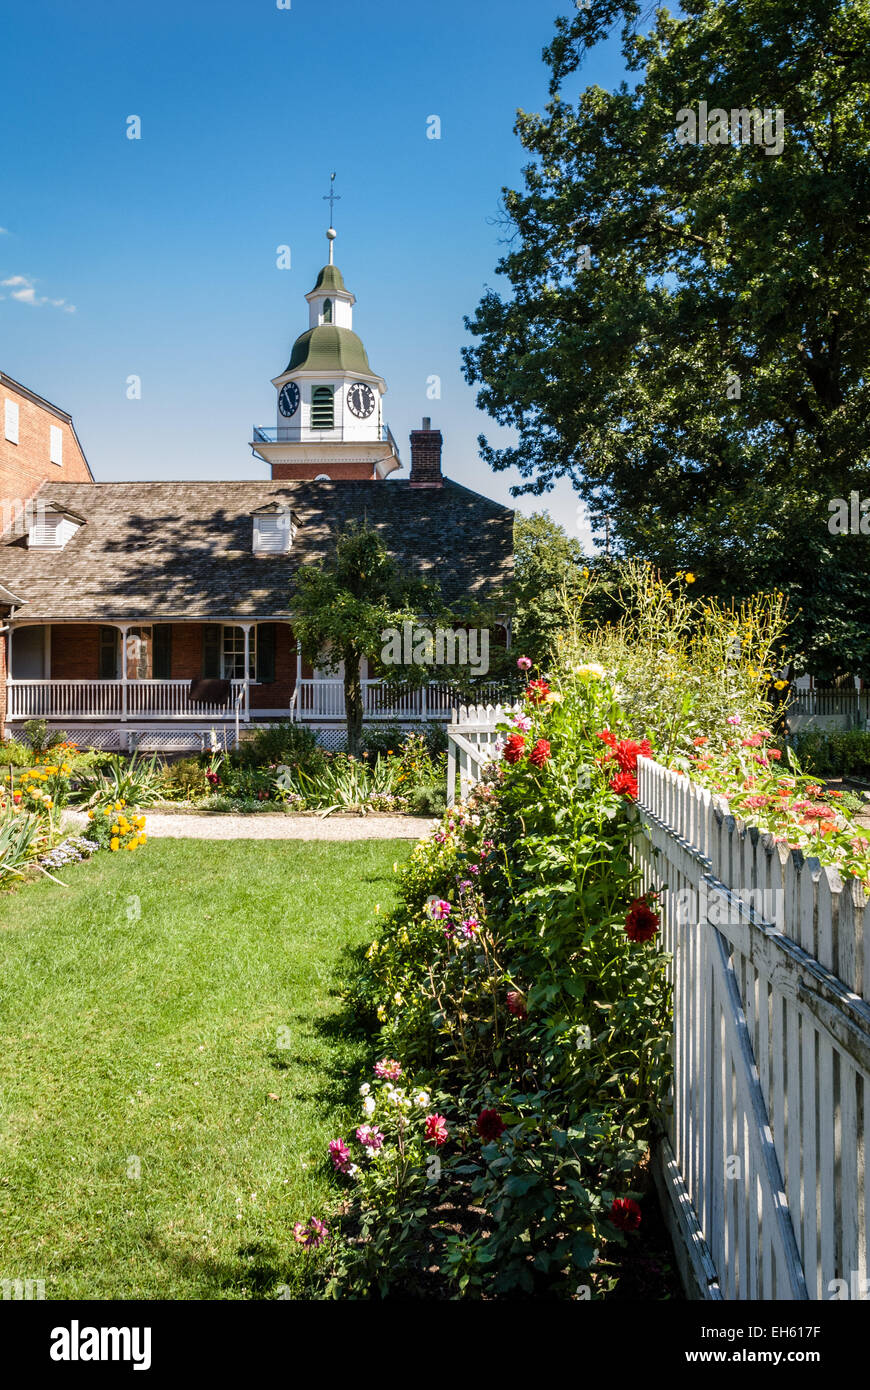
763, 1168
472, 741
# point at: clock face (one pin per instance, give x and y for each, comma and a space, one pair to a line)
361, 400
288, 399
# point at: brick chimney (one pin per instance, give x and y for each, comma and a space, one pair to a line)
426, 456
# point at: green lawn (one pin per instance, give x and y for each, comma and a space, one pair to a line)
146, 1013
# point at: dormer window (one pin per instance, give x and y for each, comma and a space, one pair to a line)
327, 311
51, 530
274, 529
322, 408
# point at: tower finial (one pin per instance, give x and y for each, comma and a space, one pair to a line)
332, 198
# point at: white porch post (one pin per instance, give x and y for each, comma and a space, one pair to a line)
11, 696
246, 629
123, 630
297, 702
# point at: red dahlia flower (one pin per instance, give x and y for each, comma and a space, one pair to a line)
642, 923
436, 1130
625, 1214
516, 1004
540, 753
626, 784
537, 692
629, 750
607, 737
514, 748
490, 1125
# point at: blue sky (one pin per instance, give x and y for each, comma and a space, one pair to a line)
157, 257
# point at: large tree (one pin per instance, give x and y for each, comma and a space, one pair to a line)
687, 334
342, 607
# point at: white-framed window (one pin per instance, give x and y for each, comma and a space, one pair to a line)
233, 654
55, 448
11, 421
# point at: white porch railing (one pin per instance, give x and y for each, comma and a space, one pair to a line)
114, 700
324, 699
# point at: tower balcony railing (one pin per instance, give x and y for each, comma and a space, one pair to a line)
290, 434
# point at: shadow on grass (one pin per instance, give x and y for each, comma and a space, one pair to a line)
260, 1270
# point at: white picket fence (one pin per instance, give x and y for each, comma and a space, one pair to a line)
765, 1165
763, 1169
472, 741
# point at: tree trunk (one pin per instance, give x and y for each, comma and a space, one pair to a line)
353, 701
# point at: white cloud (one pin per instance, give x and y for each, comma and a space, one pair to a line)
23, 289
4, 231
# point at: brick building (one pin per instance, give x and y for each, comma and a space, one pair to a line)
148, 612
38, 443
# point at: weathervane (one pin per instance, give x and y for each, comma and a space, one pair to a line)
332, 198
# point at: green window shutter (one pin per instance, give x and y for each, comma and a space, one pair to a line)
163, 652
211, 649
266, 653
322, 408
108, 653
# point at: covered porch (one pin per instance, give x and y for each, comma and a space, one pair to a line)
131, 680
131, 672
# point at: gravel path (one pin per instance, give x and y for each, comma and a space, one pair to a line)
266, 827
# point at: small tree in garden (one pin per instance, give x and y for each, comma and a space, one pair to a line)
341, 608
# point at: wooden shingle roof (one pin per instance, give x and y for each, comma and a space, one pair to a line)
164, 550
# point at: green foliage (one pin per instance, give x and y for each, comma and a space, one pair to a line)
15, 754
342, 606
22, 836
122, 778
40, 737
519, 991
184, 780
838, 753
680, 665
282, 742
347, 783
708, 266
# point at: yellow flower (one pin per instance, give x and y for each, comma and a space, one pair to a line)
113, 843
690, 578
382, 1014
116, 829
132, 844
90, 815
143, 839
780, 685
554, 698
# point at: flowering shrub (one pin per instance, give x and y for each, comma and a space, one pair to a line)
111, 828
764, 786
523, 1028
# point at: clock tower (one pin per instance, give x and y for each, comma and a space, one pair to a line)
330, 403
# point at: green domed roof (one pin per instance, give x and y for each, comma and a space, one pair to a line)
329, 348
330, 278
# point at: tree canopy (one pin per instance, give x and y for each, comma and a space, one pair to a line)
687, 332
